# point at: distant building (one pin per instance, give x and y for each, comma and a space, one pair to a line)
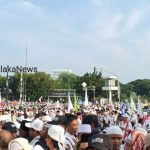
57, 72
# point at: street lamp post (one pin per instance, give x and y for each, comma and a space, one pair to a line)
86, 97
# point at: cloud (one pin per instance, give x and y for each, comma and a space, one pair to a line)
133, 19
107, 29
75, 33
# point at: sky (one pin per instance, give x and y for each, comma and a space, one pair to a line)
112, 35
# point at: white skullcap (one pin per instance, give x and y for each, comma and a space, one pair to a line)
19, 143
15, 145
114, 130
56, 132
46, 118
126, 115
137, 125
145, 113
36, 124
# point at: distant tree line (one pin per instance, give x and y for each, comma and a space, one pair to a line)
41, 83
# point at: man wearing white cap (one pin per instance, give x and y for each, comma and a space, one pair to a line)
34, 130
116, 136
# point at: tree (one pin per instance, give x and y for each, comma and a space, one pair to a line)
39, 84
67, 81
3, 85
94, 80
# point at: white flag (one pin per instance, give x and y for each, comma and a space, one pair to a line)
86, 102
140, 111
40, 99
132, 104
70, 106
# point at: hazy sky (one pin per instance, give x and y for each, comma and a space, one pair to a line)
78, 34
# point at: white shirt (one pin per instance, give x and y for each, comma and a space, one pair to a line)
36, 139
125, 125
37, 147
112, 120
20, 118
69, 140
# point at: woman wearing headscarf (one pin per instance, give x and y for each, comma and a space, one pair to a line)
136, 140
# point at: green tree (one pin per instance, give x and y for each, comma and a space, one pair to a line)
126, 90
67, 81
93, 80
39, 84
3, 85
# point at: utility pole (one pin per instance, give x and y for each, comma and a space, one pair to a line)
25, 78
21, 87
7, 90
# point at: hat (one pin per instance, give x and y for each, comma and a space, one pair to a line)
145, 113
137, 125
36, 124
46, 118
141, 130
114, 130
84, 128
19, 143
9, 126
52, 115
100, 142
125, 115
46, 125
56, 133
21, 112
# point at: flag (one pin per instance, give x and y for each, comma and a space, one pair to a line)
86, 102
75, 103
70, 106
40, 99
132, 104
123, 108
140, 111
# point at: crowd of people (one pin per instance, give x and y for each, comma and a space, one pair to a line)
94, 127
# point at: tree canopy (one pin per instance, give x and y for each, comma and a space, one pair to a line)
41, 84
